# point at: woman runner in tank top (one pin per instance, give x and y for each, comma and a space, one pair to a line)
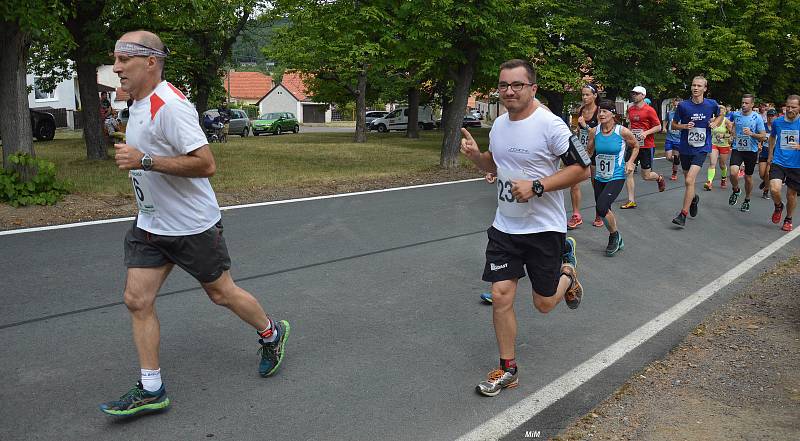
587, 118
607, 143
720, 149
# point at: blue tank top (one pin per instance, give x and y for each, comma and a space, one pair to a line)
610, 151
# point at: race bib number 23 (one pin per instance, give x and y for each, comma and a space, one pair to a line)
506, 203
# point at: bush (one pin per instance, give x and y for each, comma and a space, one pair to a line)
41, 188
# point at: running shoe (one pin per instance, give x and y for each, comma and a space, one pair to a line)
615, 243
662, 183
787, 225
693, 206
597, 222
575, 291
574, 221
735, 197
496, 381
487, 297
569, 252
707, 186
776, 215
627, 205
680, 220
745, 205
674, 176
272, 352
136, 400
765, 195
723, 183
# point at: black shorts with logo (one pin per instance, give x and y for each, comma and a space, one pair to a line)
790, 176
644, 158
509, 255
203, 255
749, 158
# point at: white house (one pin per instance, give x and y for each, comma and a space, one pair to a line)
64, 96
290, 96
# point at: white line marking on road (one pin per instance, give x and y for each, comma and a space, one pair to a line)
510, 419
234, 207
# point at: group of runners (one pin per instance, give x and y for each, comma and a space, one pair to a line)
526, 144
532, 155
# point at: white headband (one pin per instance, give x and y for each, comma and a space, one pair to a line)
138, 50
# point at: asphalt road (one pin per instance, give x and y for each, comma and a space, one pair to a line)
388, 335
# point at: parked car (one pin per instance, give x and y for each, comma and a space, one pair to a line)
43, 125
275, 123
468, 121
372, 115
398, 120
239, 124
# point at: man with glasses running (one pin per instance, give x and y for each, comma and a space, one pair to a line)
529, 229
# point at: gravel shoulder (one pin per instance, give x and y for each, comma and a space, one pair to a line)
735, 377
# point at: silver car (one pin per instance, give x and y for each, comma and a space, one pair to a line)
239, 123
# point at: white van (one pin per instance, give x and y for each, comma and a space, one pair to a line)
398, 120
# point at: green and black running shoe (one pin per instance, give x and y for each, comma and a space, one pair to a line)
272, 353
136, 400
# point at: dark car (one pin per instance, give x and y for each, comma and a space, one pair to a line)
372, 115
468, 121
43, 125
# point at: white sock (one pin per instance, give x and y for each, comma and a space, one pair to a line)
151, 379
273, 334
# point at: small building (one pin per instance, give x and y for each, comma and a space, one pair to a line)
291, 95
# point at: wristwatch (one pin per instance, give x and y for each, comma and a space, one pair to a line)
147, 162
538, 188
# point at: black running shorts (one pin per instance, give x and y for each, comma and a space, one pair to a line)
749, 158
644, 158
203, 255
509, 255
790, 176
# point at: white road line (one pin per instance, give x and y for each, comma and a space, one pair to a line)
235, 207
510, 419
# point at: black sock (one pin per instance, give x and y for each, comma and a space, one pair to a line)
787, 219
509, 365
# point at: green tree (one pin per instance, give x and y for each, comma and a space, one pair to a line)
336, 42
20, 23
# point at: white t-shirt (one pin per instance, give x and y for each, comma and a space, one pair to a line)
165, 123
528, 149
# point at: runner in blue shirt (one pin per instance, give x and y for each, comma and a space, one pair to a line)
749, 132
695, 118
784, 160
763, 154
672, 141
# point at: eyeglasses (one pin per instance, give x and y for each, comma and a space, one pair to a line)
516, 87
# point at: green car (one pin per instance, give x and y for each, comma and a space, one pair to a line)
275, 123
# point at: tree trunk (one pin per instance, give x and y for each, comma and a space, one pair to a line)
15, 125
555, 102
361, 107
412, 131
90, 100
455, 112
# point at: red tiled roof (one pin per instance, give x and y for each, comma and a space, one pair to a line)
294, 83
247, 85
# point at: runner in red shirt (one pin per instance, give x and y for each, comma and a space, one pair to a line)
644, 123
